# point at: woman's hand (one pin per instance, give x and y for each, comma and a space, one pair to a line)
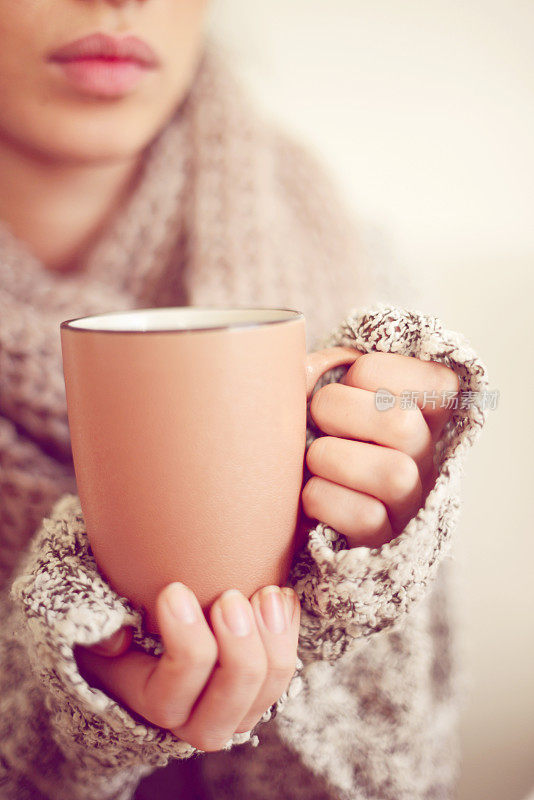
373, 469
208, 684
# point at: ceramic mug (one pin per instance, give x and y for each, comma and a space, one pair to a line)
188, 434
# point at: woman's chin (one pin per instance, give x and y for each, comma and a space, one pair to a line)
81, 135
82, 144
96, 152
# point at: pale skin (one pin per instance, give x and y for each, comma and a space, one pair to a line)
66, 163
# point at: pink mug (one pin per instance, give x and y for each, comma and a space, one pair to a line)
188, 434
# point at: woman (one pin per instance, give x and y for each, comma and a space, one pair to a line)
133, 172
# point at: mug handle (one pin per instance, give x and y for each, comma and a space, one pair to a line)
319, 361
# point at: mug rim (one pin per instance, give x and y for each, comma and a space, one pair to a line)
292, 315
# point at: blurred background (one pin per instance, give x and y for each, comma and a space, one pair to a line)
424, 112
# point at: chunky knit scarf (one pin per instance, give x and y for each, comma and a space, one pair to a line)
226, 210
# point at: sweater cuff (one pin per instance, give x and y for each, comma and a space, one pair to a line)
61, 600
348, 594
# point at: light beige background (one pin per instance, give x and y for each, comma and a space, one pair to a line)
425, 113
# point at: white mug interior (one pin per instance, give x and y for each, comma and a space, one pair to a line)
181, 318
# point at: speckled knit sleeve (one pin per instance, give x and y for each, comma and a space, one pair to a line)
349, 594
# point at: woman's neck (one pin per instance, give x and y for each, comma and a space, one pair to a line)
58, 209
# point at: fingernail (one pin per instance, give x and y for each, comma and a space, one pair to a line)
181, 603
272, 609
291, 601
112, 645
117, 641
235, 612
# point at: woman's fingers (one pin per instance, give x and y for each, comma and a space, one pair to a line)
392, 477
277, 614
431, 385
207, 684
362, 519
350, 412
161, 689
237, 678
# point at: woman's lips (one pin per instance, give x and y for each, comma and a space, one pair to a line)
102, 76
103, 65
